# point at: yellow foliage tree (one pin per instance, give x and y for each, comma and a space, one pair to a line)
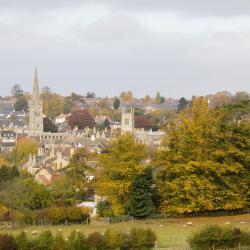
204, 165
52, 104
122, 161
23, 149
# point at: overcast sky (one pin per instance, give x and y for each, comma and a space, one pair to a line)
177, 47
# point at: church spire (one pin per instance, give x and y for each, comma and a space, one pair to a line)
35, 86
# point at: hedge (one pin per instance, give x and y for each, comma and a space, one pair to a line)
110, 240
218, 237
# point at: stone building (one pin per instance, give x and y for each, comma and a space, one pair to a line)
141, 135
35, 111
127, 123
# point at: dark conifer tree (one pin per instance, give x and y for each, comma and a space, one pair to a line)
140, 202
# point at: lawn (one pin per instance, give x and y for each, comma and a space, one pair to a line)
170, 232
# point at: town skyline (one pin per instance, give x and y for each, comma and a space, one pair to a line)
84, 92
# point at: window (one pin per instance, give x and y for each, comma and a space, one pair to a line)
126, 121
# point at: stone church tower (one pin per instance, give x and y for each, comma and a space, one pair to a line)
127, 124
35, 111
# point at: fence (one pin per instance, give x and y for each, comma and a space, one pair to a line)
212, 248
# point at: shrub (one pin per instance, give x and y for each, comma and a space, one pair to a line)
7, 242
142, 239
112, 239
76, 241
59, 215
104, 209
45, 241
216, 236
5, 213
22, 242
75, 214
125, 242
24, 216
59, 243
95, 241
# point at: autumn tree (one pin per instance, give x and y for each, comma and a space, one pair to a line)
73, 186
143, 121
124, 159
81, 119
220, 99
147, 99
159, 98
126, 96
241, 96
205, 163
52, 104
23, 149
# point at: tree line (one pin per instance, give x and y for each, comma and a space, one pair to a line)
203, 165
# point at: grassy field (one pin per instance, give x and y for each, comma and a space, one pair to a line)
170, 232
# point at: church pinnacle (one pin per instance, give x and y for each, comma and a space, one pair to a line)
35, 110
35, 86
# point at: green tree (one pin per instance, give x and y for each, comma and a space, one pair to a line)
90, 95
182, 104
4, 174
68, 190
8, 173
25, 192
45, 241
16, 90
49, 126
73, 186
76, 241
22, 242
68, 105
21, 103
39, 197
140, 203
116, 103
159, 99
59, 243
46, 90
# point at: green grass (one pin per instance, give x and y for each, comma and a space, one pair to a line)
170, 232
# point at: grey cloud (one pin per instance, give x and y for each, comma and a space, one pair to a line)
38, 5
116, 53
175, 64
116, 28
190, 7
